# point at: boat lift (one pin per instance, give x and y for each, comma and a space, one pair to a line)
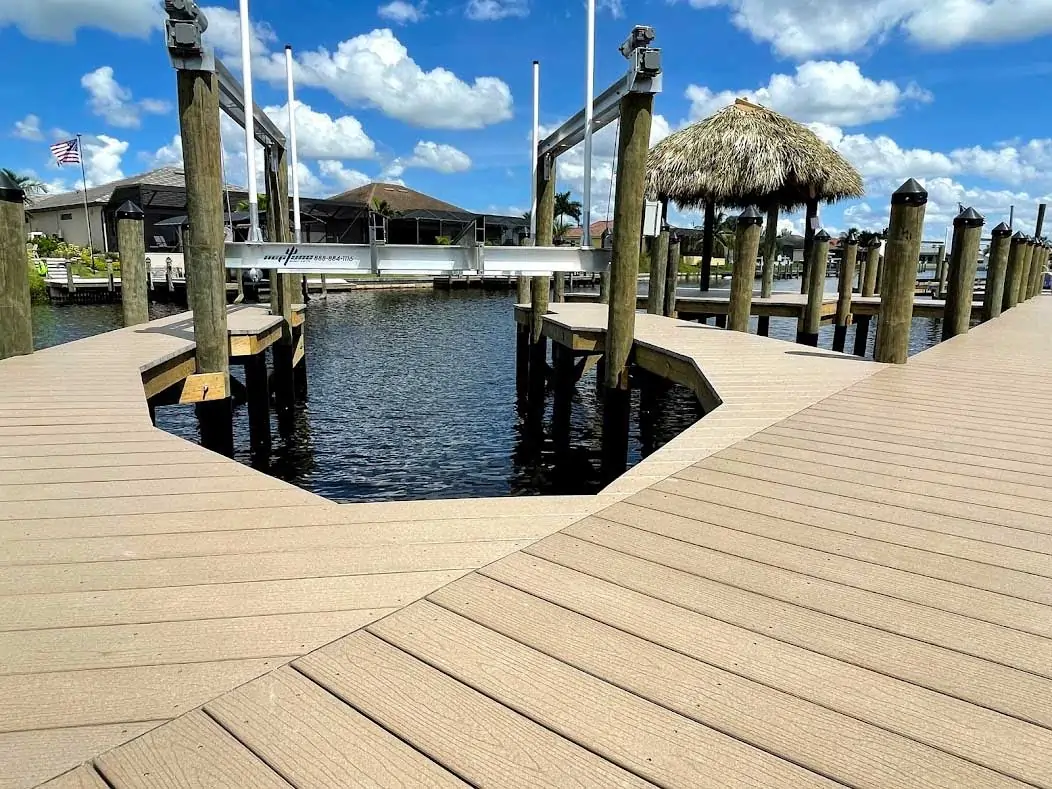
186, 23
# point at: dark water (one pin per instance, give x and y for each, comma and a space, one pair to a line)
412, 396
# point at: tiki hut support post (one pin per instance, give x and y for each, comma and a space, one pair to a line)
993, 295
810, 225
810, 322
900, 260
16, 324
843, 305
675, 251
1015, 271
636, 114
770, 249
747, 238
967, 233
707, 243
869, 282
658, 266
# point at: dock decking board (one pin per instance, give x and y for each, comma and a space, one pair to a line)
840, 574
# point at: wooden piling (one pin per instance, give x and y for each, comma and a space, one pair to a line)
205, 255
964, 259
71, 286
1037, 265
880, 274
636, 114
559, 287
993, 295
1024, 276
747, 245
763, 326
284, 288
545, 212
940, 272
1039, 271
1014, 274
675, 252
810, 221
861, 335
869, 282
843, 305
902, 252
522, 290
132, 247
658, 269
811, 320
770, 250
258, 386
16, 326
563, 380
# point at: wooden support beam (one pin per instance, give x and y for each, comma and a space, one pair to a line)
204, 388
675, 253
16, 327
843, 305
770, 250
810, 228
900, 260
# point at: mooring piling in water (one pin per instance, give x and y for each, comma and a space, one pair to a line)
869, 280
283, 287
843, 305
905, 232
675, 253
131, 246
16, 327
1037, 268
204, 253
747, 246
658, 269
964, 259
993, 293
636, 112
810, 320
770, 250
940, 271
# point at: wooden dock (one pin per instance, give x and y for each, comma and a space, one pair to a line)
842, 575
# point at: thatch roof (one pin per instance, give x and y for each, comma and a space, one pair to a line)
746, 154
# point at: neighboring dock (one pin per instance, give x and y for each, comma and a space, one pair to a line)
839, 575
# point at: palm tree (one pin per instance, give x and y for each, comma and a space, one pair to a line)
564, 206
27, 183
383, 208
261, 200
560, 229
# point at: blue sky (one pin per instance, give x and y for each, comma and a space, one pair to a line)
437, 94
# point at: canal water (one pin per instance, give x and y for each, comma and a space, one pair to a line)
412, 396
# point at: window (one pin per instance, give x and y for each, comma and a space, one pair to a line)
64, 217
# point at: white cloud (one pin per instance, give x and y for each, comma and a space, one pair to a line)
492, 10
168, 155
401, 12
820, 91
441, 158
113, 102
802, 28
320, 136
224, 33
29, 129
59, 20
342, 177
102, 159
615, 7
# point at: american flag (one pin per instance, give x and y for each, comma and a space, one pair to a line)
67, 152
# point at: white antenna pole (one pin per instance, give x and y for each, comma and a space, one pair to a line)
296, 221
250, 124
586, 233
536, 146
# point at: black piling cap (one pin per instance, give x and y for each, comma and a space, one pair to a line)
822, 235
910, 193
969, 217
10, 191
129, 210
1002, 231
1019, 237
750, 216
852, 236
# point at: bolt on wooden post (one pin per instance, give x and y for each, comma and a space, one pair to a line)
16, 327
993, 294
869, 281
964, 259
636, 115
747, 245
843, 305
811, 320
205, 251
131, 245
658, 268
675, 252
902, 252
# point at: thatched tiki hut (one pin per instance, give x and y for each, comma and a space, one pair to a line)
746, 155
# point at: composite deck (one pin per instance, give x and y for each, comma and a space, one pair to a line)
857, 592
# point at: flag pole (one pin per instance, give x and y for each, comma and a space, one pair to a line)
84, 183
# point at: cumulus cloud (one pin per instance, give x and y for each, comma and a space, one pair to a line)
113, 102
492, 10
431, 156
28, 129
401, 12
59, 20
819, 91
320, 136
341, 177
102, 159
843, 26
